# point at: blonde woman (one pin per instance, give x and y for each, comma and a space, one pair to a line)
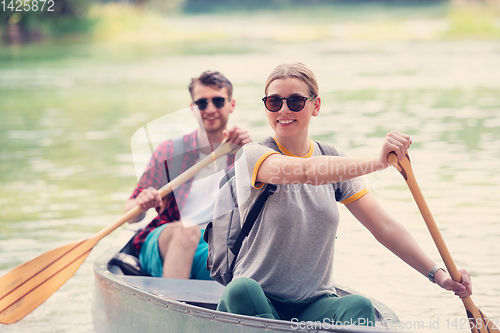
285, 267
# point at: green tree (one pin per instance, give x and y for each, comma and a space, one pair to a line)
31, 20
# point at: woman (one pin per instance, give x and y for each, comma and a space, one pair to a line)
284, 269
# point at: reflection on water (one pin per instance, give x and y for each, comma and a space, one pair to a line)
66, 164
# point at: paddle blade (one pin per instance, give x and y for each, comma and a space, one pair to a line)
478, 321
27, 286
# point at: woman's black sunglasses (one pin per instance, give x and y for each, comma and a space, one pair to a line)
295, 103
218, 102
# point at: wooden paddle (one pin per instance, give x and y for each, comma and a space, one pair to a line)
478, 322
30, 284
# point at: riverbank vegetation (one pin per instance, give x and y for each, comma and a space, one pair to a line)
474, 19
155, 21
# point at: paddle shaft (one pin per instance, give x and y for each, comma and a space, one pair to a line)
222, 150
478, 322
432, 226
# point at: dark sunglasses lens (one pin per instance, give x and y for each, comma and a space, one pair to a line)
273, 104
295, 103
218, 102
202, 103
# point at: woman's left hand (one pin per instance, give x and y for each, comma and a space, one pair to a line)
394, 142
462, 290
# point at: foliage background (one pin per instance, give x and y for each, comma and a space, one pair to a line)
93, 19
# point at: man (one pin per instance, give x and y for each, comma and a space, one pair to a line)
171, 245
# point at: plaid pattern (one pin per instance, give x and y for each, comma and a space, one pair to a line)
157, 175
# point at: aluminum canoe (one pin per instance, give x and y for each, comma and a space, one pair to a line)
125, 303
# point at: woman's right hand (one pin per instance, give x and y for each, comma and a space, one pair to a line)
148, 198
394, 142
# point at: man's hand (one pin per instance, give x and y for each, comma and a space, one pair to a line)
237, 136
148, 198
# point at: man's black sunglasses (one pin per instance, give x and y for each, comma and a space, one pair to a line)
295, 103
218, 102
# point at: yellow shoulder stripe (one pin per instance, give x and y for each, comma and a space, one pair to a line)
355, 197
257, 166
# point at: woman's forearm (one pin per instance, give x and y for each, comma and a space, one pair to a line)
390, 233
399, 241
317, 170
324, 169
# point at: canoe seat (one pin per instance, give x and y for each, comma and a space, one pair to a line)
126, 262
189, 291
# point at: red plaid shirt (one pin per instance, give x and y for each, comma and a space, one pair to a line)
156, 175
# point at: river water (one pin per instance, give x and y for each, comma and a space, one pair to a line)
67, 122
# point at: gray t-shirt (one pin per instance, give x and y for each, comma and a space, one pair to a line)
289, 251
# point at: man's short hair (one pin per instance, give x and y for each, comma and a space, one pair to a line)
214, 80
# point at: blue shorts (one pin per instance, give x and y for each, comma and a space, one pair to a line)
152, 262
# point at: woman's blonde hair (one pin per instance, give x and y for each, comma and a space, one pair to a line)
295, 70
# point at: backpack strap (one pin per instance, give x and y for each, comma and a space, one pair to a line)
327, 149
271, 143
256, 209
250, 220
